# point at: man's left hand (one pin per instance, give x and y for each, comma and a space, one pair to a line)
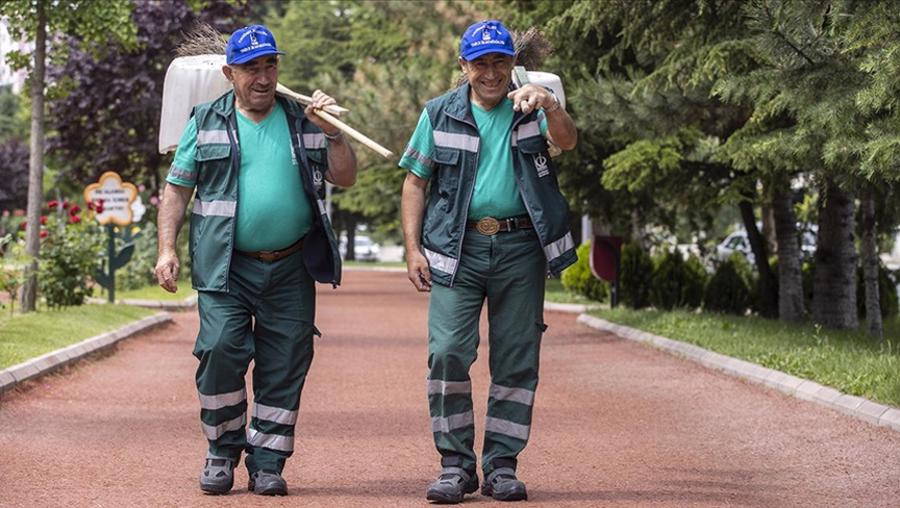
319, 101
530, 97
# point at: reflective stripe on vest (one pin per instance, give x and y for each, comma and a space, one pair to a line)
216, 208
559, 247
412, 152
212, 137
440, 262
314, 140
460, 141
525, 130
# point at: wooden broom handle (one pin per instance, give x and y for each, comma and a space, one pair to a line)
306, 100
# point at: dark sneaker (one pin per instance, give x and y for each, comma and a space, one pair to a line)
503, 485
267, 484
452, 485
218, 475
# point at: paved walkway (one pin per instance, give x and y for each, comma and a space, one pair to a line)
616, 424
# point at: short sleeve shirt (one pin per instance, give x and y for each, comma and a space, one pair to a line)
273, 211
496, 192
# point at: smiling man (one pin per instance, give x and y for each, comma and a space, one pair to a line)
259, 239
489, 227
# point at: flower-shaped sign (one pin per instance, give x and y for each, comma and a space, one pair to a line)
117, 198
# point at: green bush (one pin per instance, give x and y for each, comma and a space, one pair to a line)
139, 271
69, 257
636, 275
727, 290
579, 280
676, 282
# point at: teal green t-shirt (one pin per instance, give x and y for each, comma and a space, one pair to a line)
496, 192
273, 210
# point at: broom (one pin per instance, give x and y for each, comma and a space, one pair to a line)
207, 44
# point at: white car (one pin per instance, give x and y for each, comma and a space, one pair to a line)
364, 249
738, 242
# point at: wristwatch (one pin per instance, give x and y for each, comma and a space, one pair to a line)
555, 105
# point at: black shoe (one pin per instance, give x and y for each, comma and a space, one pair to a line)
503, 485
452, 485
267, 484
218, 475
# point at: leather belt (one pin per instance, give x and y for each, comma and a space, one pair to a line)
491, 226
273, 255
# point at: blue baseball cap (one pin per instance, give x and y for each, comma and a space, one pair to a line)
248, 43
486, 37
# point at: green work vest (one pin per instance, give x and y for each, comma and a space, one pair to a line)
455, 158
215, 205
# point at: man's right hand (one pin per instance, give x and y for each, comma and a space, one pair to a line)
167, 271
417, 270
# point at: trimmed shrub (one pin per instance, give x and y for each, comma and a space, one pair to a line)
727, 290
676, 282
636, 276
579, 279
139, 271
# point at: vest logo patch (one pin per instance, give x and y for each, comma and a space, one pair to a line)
540, 164
317, 179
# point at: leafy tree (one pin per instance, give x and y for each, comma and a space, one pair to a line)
108, 117
94, 22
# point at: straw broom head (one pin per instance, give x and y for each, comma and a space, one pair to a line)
202, 39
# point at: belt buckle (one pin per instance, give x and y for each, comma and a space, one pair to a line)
488, 226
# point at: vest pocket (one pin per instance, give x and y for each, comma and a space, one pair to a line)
446, 164
212, 152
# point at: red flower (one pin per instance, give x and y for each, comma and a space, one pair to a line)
66, 204
43, 220
23, 225
44, 234
52, 204
99, 208
74, 209
74, 219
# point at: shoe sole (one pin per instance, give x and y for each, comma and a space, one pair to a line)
214, 490
277, 491
438, 497
514, 495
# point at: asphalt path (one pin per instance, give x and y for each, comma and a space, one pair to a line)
615, 424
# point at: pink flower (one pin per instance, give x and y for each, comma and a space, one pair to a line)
154, 200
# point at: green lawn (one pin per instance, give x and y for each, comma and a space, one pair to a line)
847, 361
556, 293
26, 336
155, 292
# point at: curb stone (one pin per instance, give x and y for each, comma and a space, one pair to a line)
571, 308
10, 377
804, 389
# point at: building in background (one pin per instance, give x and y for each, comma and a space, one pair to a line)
8, 77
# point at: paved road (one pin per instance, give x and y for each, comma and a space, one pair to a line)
616, 424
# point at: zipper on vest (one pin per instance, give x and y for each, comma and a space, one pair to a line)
462, 229
236, 168
518, 176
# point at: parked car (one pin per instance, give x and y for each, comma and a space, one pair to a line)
364, 249
738, 242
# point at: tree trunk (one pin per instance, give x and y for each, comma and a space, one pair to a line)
351, 241
834, 285
768, 228
768, 295
869, 247
36, 162
790, 273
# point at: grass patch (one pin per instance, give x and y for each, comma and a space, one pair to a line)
846, 360
556, 293
25, 336
155, 293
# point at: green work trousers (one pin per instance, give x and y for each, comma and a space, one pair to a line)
267, 316
509, 270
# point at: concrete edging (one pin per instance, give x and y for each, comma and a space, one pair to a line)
570, 308
858, 407
10, 377
172, 305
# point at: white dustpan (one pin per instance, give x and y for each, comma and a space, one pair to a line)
190, 80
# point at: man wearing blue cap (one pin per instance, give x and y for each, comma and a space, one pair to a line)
260, 238
489, 227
